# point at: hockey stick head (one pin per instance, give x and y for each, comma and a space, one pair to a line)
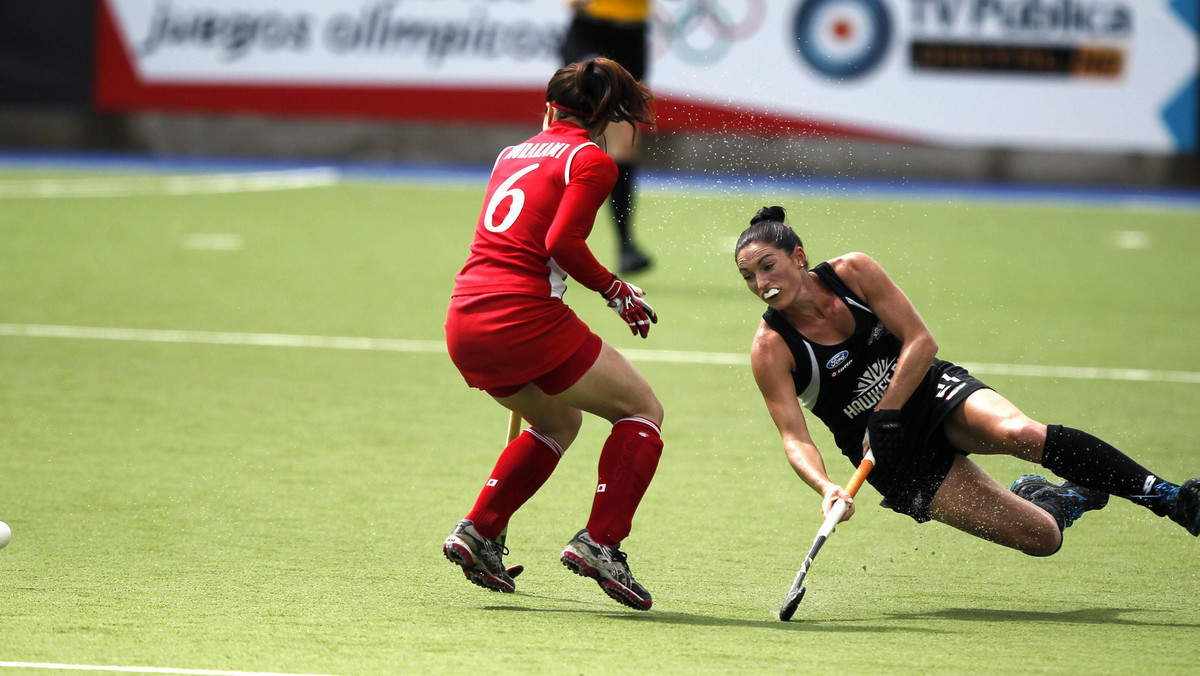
796, 593
790, 604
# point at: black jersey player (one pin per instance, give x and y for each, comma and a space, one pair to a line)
843, 339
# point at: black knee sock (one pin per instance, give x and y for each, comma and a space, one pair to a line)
1093, 463
622, 203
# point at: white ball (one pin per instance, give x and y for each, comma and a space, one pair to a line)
5, 534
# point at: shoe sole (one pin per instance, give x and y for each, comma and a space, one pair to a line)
1190, 494
615, 590
460, 555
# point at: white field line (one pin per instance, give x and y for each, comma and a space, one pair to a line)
221, 338
141, 670
201, 241
198, 184
437, 346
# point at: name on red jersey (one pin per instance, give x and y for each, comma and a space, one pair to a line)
529, 150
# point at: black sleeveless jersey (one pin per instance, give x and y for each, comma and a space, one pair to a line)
841, 384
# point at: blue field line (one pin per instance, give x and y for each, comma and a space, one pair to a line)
651, 180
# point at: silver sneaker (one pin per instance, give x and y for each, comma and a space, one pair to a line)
608, 567
481, 559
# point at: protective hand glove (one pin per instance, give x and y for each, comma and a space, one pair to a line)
626, 300
885, 435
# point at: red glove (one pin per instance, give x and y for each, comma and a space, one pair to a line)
626, 300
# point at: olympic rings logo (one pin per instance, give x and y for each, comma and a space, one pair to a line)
703, 31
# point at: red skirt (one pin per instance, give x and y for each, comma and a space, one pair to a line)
504, 339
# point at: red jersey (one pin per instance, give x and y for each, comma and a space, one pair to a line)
507, 324
539, 209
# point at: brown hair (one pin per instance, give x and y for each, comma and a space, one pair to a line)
601, 90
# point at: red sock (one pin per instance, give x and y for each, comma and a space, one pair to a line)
523, 467
627, 464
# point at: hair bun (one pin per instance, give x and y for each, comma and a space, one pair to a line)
774, 214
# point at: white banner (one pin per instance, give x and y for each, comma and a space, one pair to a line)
397, 43
1060, 74
1104, 75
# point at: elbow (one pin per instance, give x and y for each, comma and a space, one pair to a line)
922, 347
564, 248
923, 342
555, 248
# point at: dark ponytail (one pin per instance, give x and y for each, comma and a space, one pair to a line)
769, 227
774, 214
600, 90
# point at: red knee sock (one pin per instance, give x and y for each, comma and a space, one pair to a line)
627, 464
523, 467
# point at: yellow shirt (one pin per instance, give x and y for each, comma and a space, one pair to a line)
623, 11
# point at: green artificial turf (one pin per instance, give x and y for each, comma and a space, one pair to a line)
193, 505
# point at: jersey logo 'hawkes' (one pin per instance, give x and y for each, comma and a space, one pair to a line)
871, 386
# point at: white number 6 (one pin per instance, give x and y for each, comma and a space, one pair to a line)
518, 202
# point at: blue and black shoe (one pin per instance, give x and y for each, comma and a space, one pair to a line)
1186, 510
1066, 502
1029, 485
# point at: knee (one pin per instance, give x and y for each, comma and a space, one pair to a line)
654, 410
562, 428
1041, 539
643, 404
1043, 550
1023, 437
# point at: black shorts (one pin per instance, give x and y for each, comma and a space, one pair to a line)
624, 43
909, 483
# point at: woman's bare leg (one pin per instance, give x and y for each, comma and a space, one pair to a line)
975, 503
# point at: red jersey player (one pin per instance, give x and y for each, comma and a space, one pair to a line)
510, 334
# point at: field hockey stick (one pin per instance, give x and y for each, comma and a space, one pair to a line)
796, 593
514, 429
